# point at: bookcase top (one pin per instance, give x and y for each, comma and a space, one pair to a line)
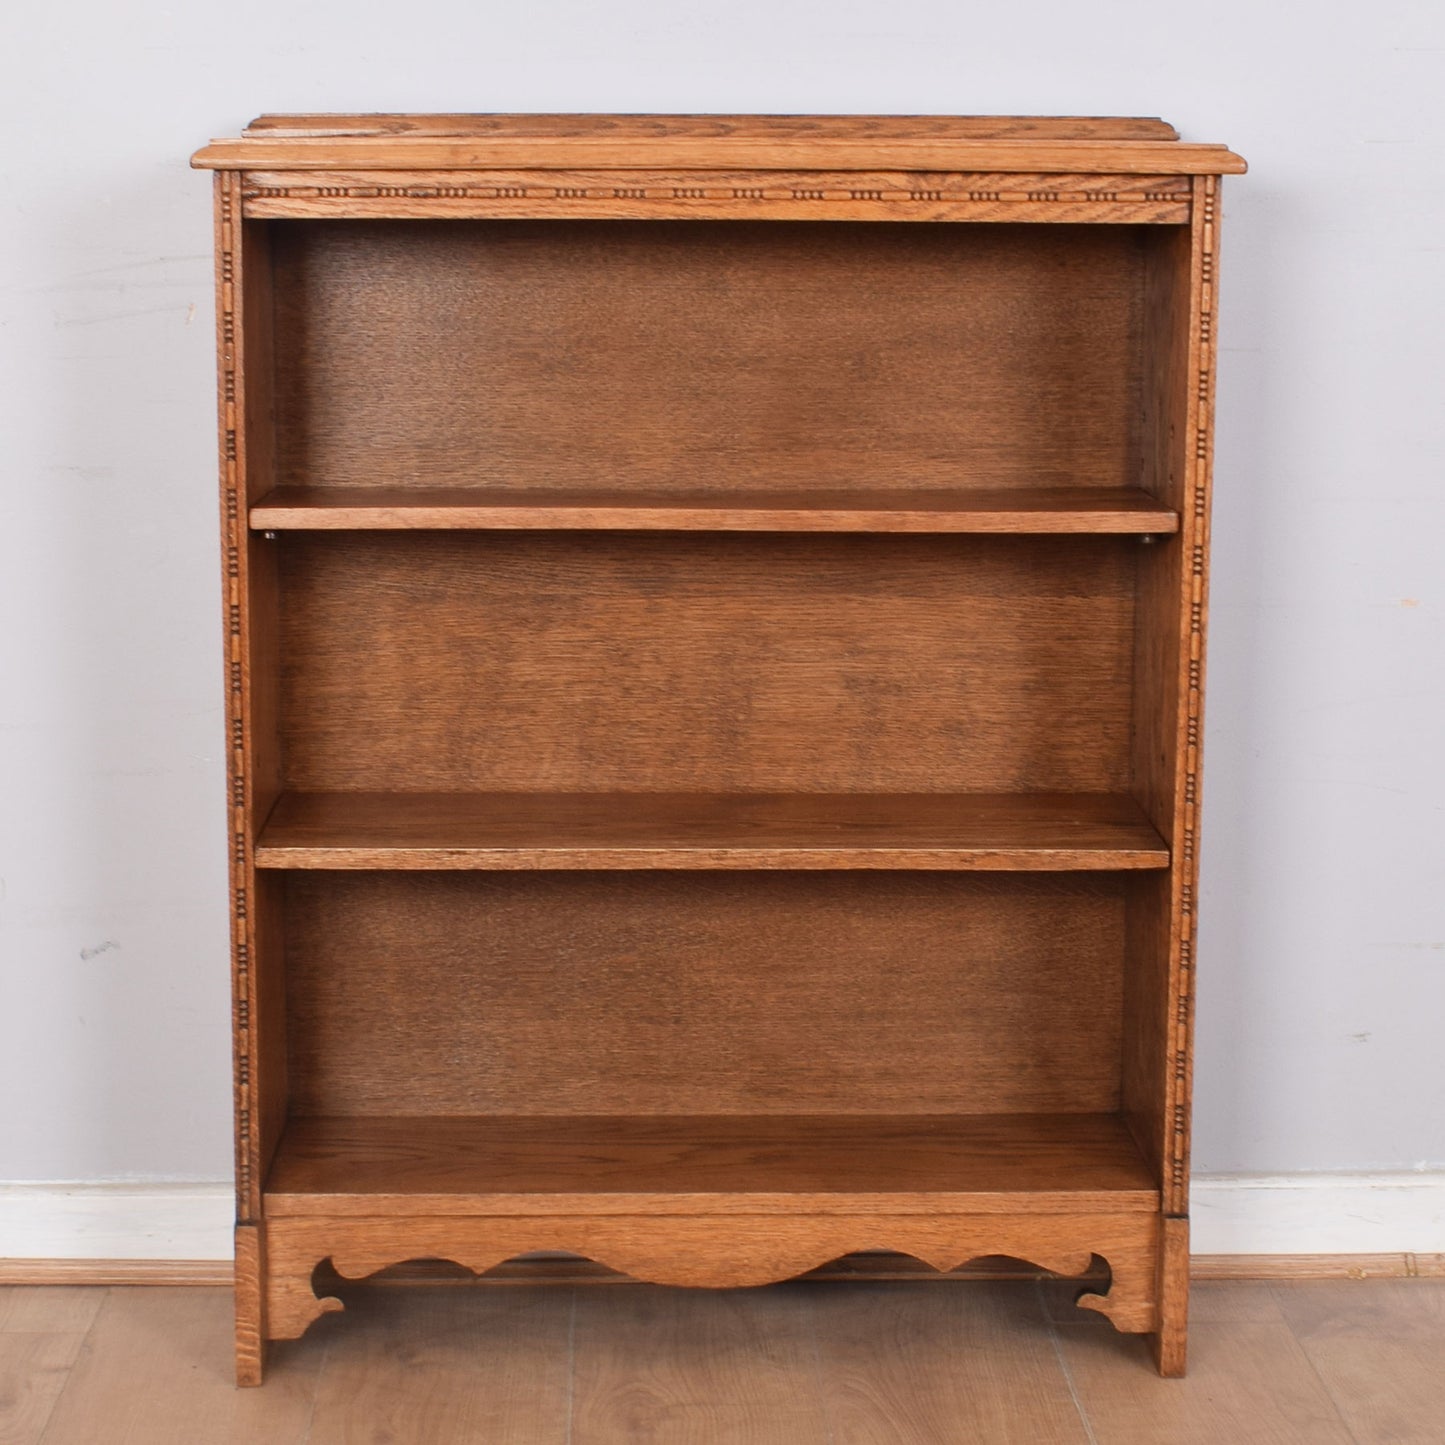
1070, 144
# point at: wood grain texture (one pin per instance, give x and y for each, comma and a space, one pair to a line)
1147, 965
77, 1275
910, 1363
33, 1371
735, 355
859, 1363
685, 1366
1241, 1277
700, 663
246, 413
1317, 1266
602, 765
254, 685
247, 469
791, 127
718, 1252
1377, 1347
704, 195
1180, 293
1042, 510
66, 1277
1151, 956
738, 150
1249, 1301
1385, 1390
1247, 1382
989, 831
250, 1291
440, 1366
154, 1371
1188, 742
1375, 1308
724, 993
41, 1332
826, 1164
1171, 1340
34, 1310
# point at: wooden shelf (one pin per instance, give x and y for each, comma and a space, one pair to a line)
1047, 1163
1018, 832
1041, 509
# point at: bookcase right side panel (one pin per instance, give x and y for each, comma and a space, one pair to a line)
1177, 397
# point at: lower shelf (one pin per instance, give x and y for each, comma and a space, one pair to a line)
667, 1165
718, 1202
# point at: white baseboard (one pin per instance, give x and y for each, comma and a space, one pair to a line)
1380, 1213
116, 1221
1242, 1214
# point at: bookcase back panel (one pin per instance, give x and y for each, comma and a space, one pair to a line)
565, 661
682, 355
651, 993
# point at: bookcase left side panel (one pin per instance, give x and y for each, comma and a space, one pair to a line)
249, 593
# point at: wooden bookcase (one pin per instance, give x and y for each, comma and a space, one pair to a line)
715, 623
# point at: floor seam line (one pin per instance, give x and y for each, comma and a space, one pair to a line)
1324, 1384
327, 1346
810, 1304
571, 1362
1068, 1374
70, 1369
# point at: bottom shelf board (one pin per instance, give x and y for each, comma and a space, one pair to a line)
661, 1164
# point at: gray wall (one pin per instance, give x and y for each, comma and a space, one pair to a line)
1323, 948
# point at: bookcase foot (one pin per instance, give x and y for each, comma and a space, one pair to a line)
1171, 1339
250, 1305
1131, 1304
250, 1362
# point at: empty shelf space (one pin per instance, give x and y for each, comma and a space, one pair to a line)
740, 1164
1041, 509
1019, 832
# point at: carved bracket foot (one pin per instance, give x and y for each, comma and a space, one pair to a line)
293, 1305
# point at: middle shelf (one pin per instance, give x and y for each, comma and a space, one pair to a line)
1048, 832
1097, 510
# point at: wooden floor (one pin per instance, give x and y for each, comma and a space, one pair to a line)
1313, 1362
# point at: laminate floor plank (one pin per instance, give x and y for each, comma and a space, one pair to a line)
48, 1309
157, 1369
1379, 1347
1389, 1392
1318, 1362
932, 1364
696, 1367
445, 1365
1246, 1382
1240, 1301
1389, 1309
33, 1371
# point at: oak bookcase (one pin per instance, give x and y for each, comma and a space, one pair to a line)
715, 622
